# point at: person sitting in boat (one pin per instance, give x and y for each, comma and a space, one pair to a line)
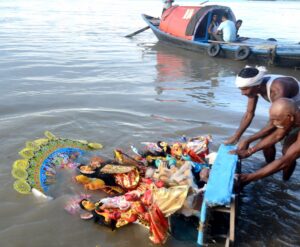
238, 24
284, 117
226, 31
213, 26
254, 82
167, 5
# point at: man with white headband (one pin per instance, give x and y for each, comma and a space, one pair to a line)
254, 82
285, 118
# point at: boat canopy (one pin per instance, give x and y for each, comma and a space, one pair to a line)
191, 22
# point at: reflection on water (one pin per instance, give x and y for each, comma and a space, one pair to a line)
186, 75
182, 73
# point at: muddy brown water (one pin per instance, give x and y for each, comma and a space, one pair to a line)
65, 67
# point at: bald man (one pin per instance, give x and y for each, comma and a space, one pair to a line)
285, 118
254, 83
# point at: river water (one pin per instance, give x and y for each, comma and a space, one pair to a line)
66, 67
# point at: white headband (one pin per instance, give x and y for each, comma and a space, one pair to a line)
250, 82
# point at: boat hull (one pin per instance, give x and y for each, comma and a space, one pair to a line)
261, 54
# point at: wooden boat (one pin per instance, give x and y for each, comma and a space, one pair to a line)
186, 27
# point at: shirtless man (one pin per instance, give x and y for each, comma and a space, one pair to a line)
254, 82
285, 119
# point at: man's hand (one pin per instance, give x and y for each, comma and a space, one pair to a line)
241, 153
241, 180
231, 140
243, 145
244, 179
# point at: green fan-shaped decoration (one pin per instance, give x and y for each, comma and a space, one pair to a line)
37, 169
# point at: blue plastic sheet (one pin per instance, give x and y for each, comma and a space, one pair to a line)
221, 178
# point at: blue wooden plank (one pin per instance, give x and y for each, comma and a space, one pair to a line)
200, 240
221, 178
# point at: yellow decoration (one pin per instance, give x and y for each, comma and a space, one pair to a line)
88, 205
116, 169
22, 186
95, 184
83, 141
118, 156
95, 145
41, 141
26, 153
169, 200
20, 164
32, 145
19, 173
82, 179
49, 135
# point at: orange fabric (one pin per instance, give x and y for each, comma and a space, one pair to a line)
195, 157
176, 19
128, 180
158, 225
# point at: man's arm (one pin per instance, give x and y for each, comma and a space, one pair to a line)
245, 122
268, 129
292, 153
268, 141
220, 28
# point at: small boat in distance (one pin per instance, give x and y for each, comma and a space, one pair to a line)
187, 27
